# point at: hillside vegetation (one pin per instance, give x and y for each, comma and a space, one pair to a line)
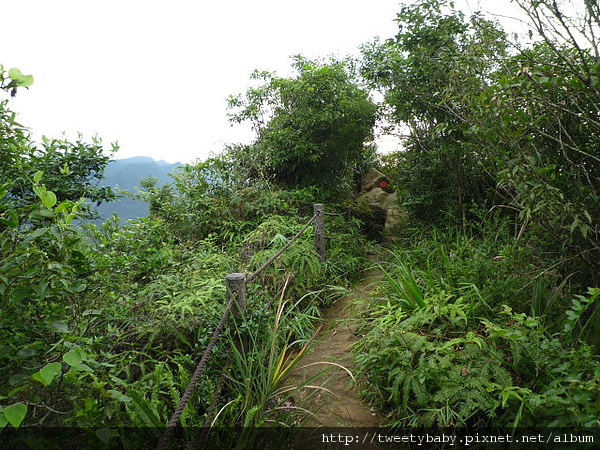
488, 312
127, 177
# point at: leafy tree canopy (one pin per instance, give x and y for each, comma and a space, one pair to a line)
311, 129
71, 170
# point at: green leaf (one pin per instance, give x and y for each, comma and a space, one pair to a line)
38, 176
49, 199
63, 206
59, 327
118, 395
21, 80
15, 414
42, 213
26, 353
17, 378
76, 288
37, 233
25, 80
12, 220
47, 373
20, 294
104, 434
74, 357
14, 73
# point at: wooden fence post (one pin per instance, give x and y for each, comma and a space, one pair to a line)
320, 230
236, 285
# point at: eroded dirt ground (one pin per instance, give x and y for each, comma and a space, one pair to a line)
336, 402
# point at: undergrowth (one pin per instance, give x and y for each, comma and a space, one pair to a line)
474, 331
106, 329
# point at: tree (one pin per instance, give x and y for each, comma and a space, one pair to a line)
539, 122
431, 73
517, 130
71, 170
311, 129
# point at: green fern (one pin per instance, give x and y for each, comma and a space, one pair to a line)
144, 413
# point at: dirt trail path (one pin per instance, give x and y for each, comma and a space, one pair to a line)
343, 407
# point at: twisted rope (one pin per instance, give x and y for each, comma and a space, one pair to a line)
337, 214
278, 254
164, 440
211, 410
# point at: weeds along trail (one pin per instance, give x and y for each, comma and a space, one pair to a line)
331, 392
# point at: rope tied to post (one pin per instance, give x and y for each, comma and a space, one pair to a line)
278, 254
236, 283
162, 444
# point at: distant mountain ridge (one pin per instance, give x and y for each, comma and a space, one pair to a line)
126, 174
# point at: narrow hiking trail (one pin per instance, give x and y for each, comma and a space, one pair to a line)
338, 403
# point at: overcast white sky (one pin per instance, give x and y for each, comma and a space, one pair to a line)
155, 75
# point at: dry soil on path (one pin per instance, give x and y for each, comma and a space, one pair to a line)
336, 402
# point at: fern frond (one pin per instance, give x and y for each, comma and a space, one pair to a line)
144, 412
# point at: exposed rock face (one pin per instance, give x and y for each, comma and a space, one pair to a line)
377, 195
371, 180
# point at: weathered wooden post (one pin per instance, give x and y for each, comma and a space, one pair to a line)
320, 230
236, 286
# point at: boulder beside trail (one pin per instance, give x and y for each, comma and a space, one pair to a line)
376, 193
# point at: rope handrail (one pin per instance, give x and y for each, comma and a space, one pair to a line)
162, 444
251, 277
238, 300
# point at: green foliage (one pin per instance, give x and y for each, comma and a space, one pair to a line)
497, 124
431, 378
430, 74
442, 348
494, 322
311, 129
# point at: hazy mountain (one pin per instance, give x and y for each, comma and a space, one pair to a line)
127, 174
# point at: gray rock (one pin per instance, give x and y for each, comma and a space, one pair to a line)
373, 196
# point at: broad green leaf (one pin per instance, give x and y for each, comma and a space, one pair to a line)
59, 327
26, 353
74, 357
49, 199
75, 288
21, 293
12, 220
37, 233
47, 373
25, 80
21, 80
17, 378
63, 206
15, 414
104, 434
40, 190
118, 395
3, 421
14, 73
84, 367
42, 213
38, 176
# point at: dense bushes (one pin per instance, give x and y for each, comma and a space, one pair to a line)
442, 346
103, 325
